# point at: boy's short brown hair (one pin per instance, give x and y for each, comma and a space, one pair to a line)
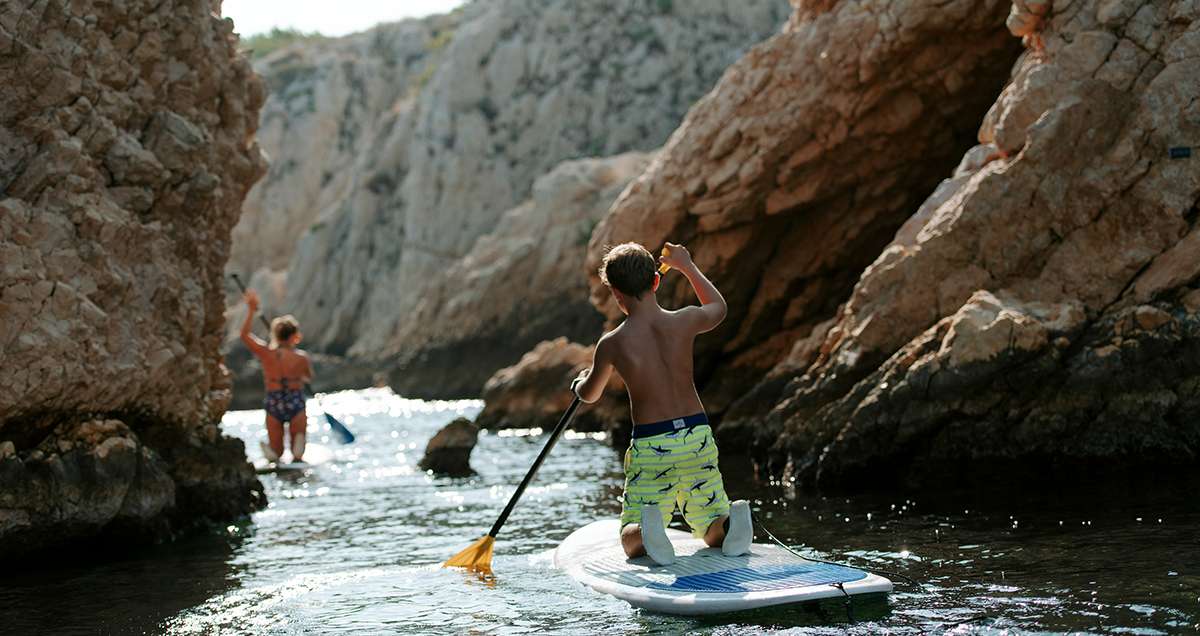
283, 328
629, 268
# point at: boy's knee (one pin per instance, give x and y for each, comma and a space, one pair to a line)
631, 540
714, 536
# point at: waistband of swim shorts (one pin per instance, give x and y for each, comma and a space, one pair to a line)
666, 426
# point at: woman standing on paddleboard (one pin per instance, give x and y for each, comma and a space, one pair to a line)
286, 370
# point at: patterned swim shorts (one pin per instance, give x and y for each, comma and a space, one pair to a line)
284, 405
675, 469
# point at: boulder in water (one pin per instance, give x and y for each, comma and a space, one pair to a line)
535, 392
449, 451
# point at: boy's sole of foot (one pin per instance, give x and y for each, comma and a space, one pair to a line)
741, 529
654, 537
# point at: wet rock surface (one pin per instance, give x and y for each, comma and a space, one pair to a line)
449, 450
125, 152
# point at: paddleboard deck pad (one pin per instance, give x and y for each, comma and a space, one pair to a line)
703, 580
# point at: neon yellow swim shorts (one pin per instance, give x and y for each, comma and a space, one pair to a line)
677, 468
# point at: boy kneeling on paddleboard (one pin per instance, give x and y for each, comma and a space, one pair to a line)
672, 459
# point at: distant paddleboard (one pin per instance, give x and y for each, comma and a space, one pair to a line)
314, 455
702, 580
284, 467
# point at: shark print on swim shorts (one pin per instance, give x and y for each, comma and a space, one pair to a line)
685, 475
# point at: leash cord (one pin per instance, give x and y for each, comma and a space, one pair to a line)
849, 602
907, 579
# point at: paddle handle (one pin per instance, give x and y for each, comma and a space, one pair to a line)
260, 316
537, 463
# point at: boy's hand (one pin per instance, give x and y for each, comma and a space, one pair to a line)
676, 257
580, 379
251, 298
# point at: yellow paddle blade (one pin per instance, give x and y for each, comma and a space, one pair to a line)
476, 557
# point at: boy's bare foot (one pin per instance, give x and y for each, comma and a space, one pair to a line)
741, 529
269, 453
654, 537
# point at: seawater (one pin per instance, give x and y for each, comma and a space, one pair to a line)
352, 546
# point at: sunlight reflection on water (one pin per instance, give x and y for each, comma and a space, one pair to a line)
352, 546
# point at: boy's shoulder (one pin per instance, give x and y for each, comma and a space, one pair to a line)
612, 338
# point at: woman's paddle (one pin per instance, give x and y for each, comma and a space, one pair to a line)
340, 431
478, 557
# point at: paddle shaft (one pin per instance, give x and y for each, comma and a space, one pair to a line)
260, 316
537, 463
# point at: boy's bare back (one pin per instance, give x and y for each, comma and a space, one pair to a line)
283, 367
653, 355
652, 349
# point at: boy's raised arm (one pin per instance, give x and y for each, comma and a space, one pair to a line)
591, 382
256, 344
712, 307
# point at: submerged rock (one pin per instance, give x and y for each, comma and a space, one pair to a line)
449, 451
125, 152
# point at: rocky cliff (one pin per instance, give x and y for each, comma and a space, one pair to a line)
519, 283
918, 295
126, 135
1040, 309
421, 138
789, 177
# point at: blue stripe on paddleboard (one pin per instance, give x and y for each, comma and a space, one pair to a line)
762, 579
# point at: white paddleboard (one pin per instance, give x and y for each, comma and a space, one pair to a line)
702, 580
283, 467
314, 455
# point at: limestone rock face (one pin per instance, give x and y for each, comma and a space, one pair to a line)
125, 152
449, 124
449, 451
328, 102
1042, 305
787, 179
535, 392
517, 284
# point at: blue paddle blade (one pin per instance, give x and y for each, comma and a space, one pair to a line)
340, 431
